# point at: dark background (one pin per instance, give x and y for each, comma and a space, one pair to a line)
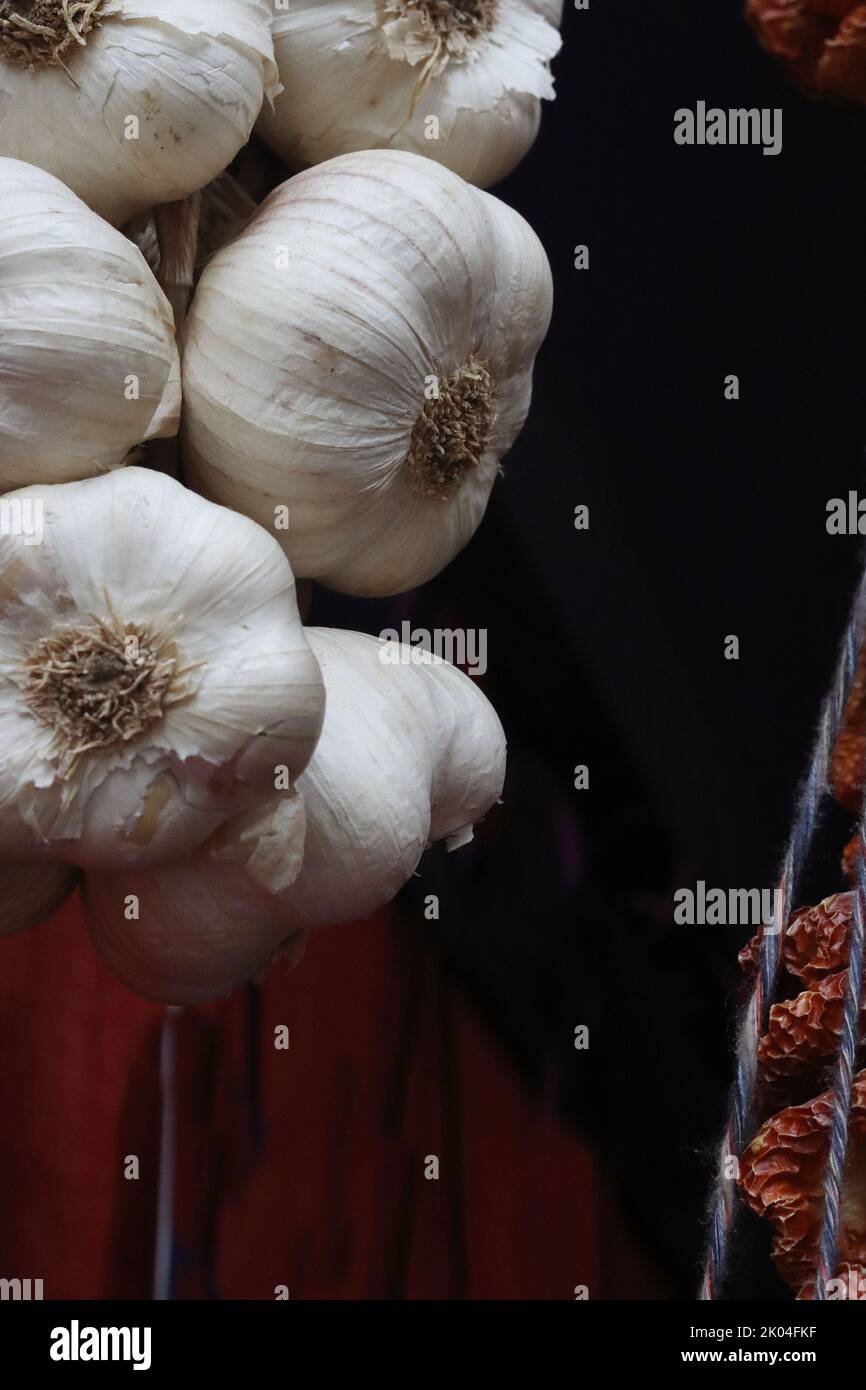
606, 647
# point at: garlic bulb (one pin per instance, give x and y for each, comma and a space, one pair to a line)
189, 932
88, 362
154, 675
411, 752
30, 892
359, 360
460, 81
132, 102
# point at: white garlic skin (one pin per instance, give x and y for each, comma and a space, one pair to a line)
191, 73
30, 891
195, 937
88, 361
215, 594
304, 382
361, 76
411, 752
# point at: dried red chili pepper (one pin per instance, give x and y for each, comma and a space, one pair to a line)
820, 43
781, 1177
782, 1170
804, 1031
847, 762
849, 860
851, 1284
817, 939
815, 942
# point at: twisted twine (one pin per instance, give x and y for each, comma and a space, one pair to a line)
741, 1109
842, 1085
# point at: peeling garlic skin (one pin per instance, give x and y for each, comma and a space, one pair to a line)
164, 93
411, 752
369, 75
362, 354
30, 891
89, 367
101, 770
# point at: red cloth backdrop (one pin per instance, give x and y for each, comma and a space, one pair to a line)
304, 1167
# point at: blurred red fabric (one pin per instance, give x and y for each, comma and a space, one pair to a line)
303, 1167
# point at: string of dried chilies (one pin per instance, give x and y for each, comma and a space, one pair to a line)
792, 1170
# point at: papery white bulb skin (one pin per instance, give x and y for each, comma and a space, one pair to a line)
361, 356
189, 932
88, 360
30, 891
153, 670
146, 101
411, 753
460, 81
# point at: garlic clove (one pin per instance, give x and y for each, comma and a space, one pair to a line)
156, 100
350, 359
178, 938
410, 752
88, 362
153, 671
30, 892
459, 84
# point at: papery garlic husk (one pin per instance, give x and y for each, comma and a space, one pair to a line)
88, 360
411, 752
358, 361
150, 101
223, 210
30, 891
154, 675
461, 82
190, 932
